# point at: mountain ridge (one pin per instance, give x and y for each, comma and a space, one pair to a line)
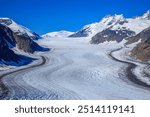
17, 28
115, 23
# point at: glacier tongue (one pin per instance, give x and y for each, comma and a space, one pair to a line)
75, 70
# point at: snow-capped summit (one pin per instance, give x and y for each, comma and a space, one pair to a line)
19, 29
92, 29
62, 33
111, 20
146, 15
122, 30
115, 24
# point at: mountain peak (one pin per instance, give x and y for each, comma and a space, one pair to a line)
146, 15
107, 22
6, 21
110, 19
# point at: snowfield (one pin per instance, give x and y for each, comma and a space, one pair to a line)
58, 34
75, 69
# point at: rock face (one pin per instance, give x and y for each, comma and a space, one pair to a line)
82, 33
9, 38
143, 36
7, 35
7, 54
111, 35
6, 42
25, 43
142, 50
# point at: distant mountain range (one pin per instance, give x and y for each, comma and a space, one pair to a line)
62, 33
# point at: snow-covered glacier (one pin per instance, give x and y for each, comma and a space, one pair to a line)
75, 69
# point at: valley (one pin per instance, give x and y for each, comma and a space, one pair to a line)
75, 69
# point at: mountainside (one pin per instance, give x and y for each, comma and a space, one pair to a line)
57, 34
22, 36
111, 35
143, 36
25, 43
11, 38
114, 28
142, 50
7, 36
19, 29
145, 16
6, 42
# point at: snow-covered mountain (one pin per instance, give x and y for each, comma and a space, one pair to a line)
145, 16
7, 55
92, 29
19, 29
13, 44
23, 37
115, 24
58, 34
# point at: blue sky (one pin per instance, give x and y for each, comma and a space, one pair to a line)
43, 16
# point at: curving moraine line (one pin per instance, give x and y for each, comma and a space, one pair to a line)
4, 89
129, 70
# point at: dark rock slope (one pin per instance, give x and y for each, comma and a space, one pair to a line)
142, 50
25, 43
111, 35
10, 39
6, 42
143, 36
81, 33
